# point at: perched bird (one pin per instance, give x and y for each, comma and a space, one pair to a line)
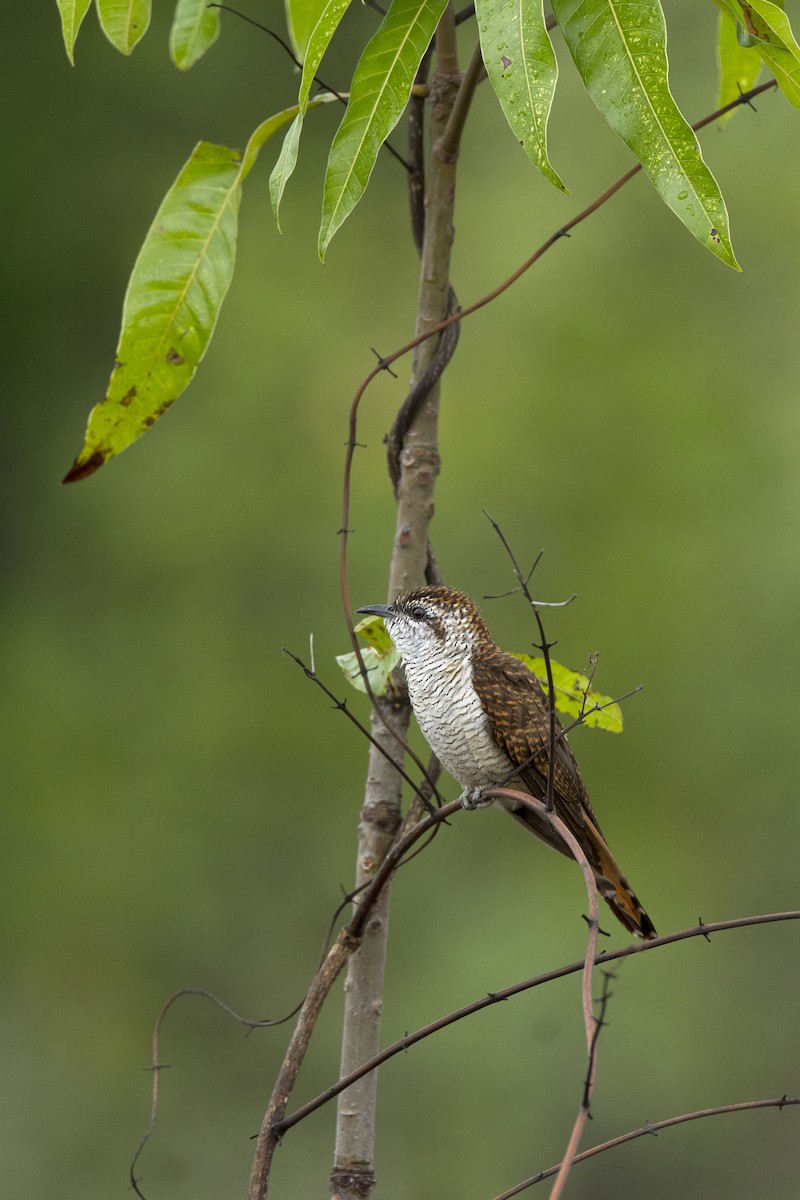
483, 713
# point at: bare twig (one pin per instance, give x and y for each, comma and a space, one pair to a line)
341, 706
591, 1027
157, 1066
545, 647
652, 1129
498, 997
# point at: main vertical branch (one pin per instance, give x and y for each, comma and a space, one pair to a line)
353, 1176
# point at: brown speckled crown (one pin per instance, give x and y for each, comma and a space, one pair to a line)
450, 600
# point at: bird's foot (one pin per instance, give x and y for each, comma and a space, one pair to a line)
473, 797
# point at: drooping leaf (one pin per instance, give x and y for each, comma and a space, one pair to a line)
124, 22
174, 296
318, 43
575, 694
301, 17
522, 69
739, 65
287, 158
620, 50
72, 14
195, 28
379, 93
172, 303
777, 45
380, 657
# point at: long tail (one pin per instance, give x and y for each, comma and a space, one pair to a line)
618, 893
611, 883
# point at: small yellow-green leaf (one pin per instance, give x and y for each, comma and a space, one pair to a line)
378, 667
195, 28
124, 22
380, 657
373, 631
575, 694
72, 14
738, 65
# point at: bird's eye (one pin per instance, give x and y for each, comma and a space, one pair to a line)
418, 612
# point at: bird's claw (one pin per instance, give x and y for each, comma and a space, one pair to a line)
473, 797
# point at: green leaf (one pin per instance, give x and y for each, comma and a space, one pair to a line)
738, 65
72, 14
318, 43
380, 90
574, 693
522, 69
778, 46
124, 22
172, 303
301, 17
380, 657
287, 158
174, 296
195, 28
620, 50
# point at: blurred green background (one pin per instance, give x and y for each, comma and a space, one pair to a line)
180, 804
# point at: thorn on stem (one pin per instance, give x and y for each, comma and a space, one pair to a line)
383, 364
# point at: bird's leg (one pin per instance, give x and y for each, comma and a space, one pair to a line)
472, 797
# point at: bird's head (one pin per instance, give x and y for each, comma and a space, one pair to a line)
431, 621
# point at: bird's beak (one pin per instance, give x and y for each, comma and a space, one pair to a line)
377, 610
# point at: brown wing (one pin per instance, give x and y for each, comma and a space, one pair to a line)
516, 705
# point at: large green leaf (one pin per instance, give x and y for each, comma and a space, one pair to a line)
301, 17
522, 69
124, 22
195, 28
575, 694
620, 50
379, 93
172, 303
72, 14
739, 65
174, 296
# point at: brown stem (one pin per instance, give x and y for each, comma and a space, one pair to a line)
353, 1177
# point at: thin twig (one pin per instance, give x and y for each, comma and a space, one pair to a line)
342, 706
545, 649
591, 1027
157, 1066
498, 997
652, 1129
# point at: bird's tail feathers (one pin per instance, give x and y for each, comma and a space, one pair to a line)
617, 892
